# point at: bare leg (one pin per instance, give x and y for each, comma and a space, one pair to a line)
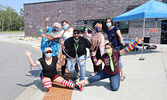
58, 80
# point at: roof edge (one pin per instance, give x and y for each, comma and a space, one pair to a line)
47, 2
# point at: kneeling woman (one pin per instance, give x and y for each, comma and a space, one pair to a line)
111, 68
49, 65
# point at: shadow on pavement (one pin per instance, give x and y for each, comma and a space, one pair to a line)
36, 82
101, 83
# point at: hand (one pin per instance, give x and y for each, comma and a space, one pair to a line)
28, 53
140, 40
63, 56
94, 53
49, 35
47, 19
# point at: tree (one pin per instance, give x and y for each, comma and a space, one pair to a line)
2, 17
10, 20
21, 19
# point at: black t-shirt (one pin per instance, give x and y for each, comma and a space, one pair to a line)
49, 70
70, 49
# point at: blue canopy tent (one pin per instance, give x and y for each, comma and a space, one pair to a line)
150, 9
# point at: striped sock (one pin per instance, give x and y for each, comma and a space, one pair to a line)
47, 84
68, 84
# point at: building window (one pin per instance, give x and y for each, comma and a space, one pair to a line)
123, 26
80, 28
92, 23
165, 1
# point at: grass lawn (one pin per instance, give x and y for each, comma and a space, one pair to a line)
11, 32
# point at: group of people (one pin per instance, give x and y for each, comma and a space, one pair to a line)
74, 52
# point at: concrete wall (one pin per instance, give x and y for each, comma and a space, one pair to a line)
72, 10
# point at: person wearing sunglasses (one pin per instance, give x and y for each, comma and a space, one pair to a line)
100, 47
115, 37
75, 47
49, 69
111, 65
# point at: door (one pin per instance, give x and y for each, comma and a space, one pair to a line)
164, 32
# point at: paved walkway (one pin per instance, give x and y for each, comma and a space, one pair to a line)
145, 80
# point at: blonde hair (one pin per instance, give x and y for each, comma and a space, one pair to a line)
99, 25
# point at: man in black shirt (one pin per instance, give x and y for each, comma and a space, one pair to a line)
76, 48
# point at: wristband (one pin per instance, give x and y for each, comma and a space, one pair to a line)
94, 59
131, 46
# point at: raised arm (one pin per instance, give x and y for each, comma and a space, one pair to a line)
61, 60
130, 47
47, 36
58, 35
46, 23
94, 43
28, 54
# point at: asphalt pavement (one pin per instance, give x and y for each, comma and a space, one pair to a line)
15, 74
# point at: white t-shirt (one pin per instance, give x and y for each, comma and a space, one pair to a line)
66, 34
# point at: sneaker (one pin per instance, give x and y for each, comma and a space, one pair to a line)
81, 87
123, 78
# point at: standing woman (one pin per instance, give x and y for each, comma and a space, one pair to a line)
66, 33
111, 65
115, 37
100, 47
49, 69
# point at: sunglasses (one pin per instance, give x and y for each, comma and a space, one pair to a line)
49, 51
108, 48
75, 33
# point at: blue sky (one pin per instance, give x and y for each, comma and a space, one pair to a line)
17, 4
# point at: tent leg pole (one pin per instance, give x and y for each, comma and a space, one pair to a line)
144, 21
